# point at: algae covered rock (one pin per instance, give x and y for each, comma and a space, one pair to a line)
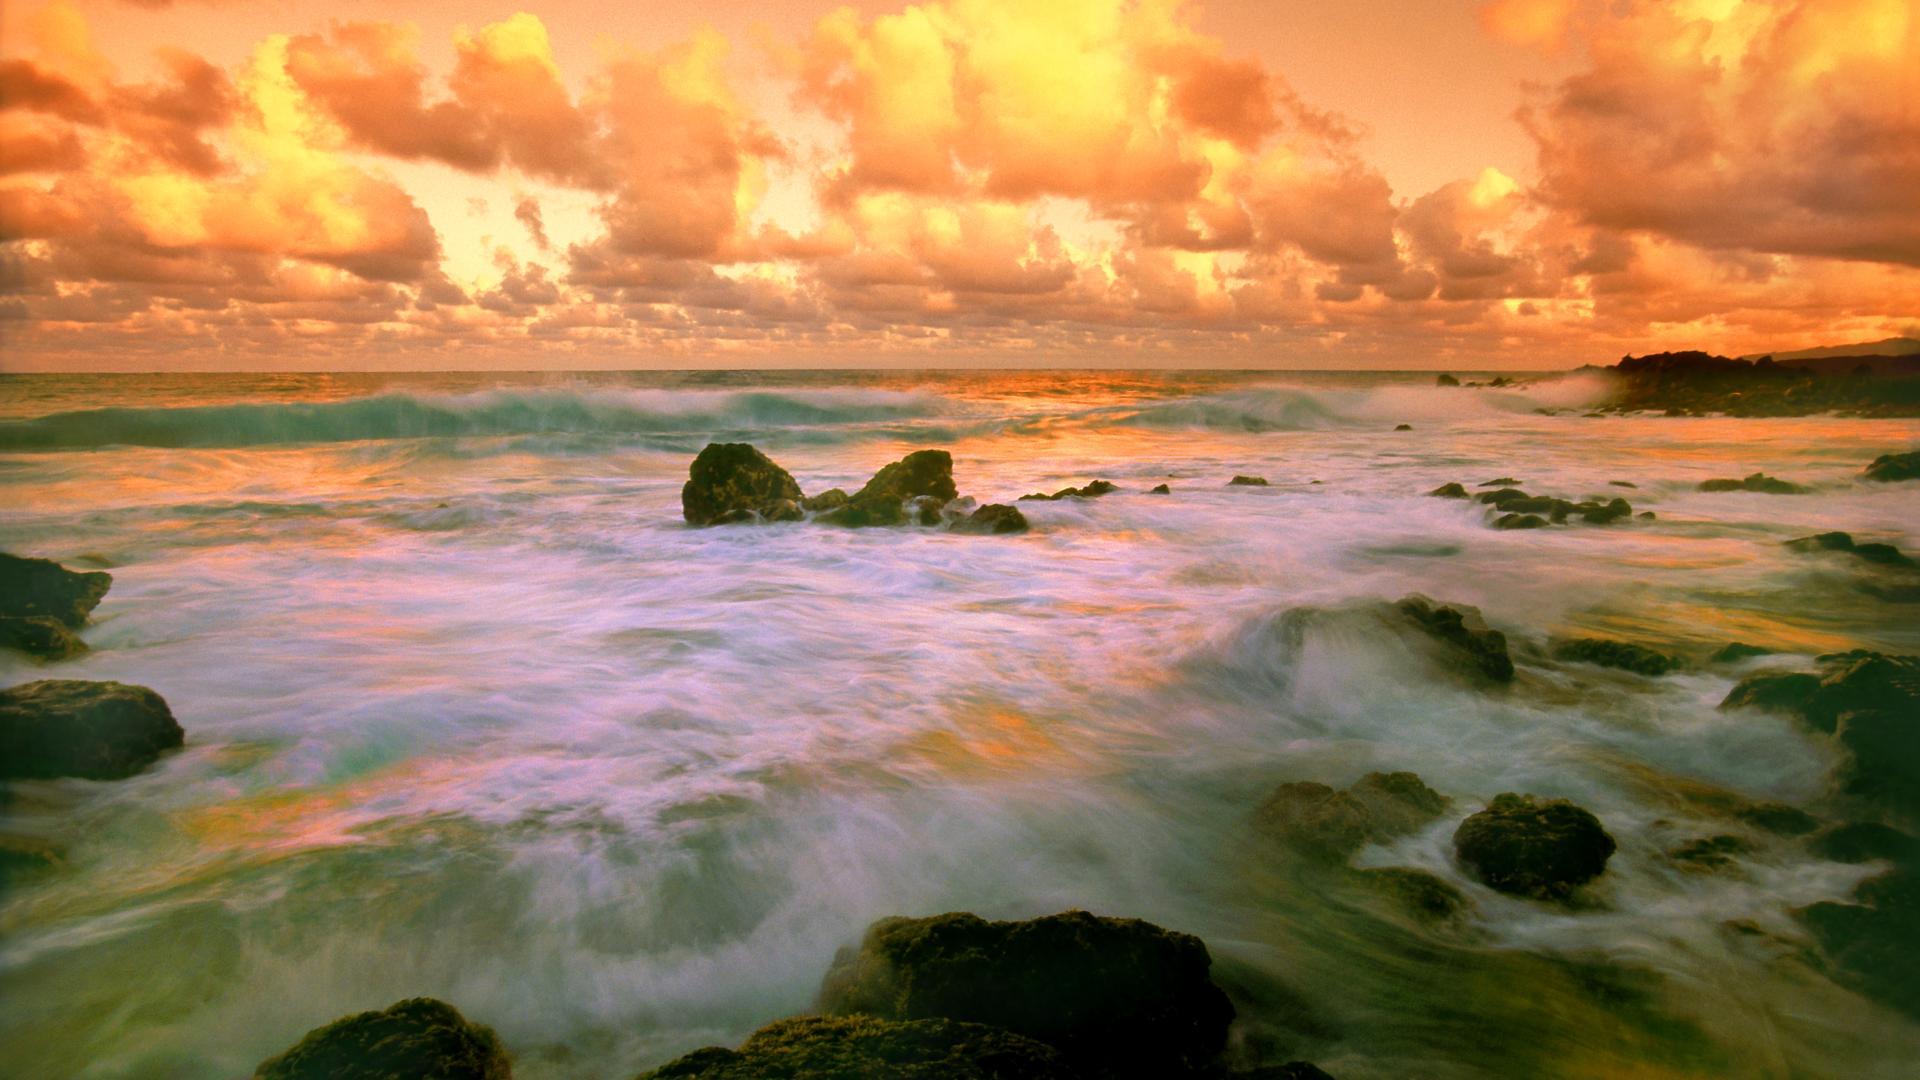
870, 1048
1538, 848
1424, 895
1092, 490
921, 473
32, 588
1117, 997
1623, 655
734, 482
93, 730
416, 1039
1883, 554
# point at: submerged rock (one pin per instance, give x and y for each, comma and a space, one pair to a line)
1624, 655
869, 1048
830, 499
1449, 491
1884, 554
1501, 482
1422, 894
1467, 638
734, 482
1117, 997
1710, 852
1092, 491
93, 730
22, 859
1873, 943
1760, 482
41, 636
415, 1039
1247, 481
993, 518
36, 588
1537, 848
1857, 681
1888, 468
1777, 818
1403, 427
1330, 825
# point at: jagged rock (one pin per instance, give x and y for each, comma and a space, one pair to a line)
1874, 942
1624, 655
33, 588
1865, 841
41, 636
1449, 491
1444, 379
1247, 481
1117, 997
992, 518
1857, 681
1092, 491
1760, 482
1422, 894
1465, 633
734, 482
93, 730
1538, 848
1888, 468
1884, 554
869, 1048
415, 1039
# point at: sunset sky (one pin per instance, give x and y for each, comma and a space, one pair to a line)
1291, 183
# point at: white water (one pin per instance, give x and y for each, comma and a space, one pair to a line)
471, 712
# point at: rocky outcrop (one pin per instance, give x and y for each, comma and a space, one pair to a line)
1322, 823
1882, 554
93, 730
820, 1047
1888, 468
1538, 848
1623, 655
1695, 383
1117, 997
416, 1039
734, 482
921, 474
1512, 505
1091, 491
1735, 651
42, 603
1466, 639
1760, 482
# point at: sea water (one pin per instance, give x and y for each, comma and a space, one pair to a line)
472, 713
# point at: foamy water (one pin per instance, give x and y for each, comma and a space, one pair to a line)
472, 713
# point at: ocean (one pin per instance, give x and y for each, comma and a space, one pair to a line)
471, 712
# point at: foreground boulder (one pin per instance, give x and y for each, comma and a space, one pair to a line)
1464, 634
1623, 655
41, 636
1315, 820
42, 587
1117, 997
416, 1039
1888, 468
1538, 848
1760, 482
93, 730
734, 482
869, 1048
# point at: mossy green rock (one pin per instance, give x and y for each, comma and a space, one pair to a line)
42, 587
1117, 997
730, 482
923, 472
1538, 848
869, 1048
94, 730
416, 1039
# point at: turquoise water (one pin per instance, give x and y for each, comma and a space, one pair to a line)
472, 713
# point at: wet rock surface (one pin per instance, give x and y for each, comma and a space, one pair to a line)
1092, 490
1464, 635
1322, 823
1873, 942
416, 1039
734, 482
31, 588
1759, 482
1869, 705
1622, 655
92, 730
1538, 848
869, 1048
1882, 554
1890, 468
40, 636
1698, 383
991, 519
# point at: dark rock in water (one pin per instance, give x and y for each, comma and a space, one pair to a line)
1117, 997
1502, 482
1826, 541
41, 636
21, 860
1449, 491
1710, 852
924, 509
1884, 554
1403, 427
1865, 841
1735, 651
1624, 655
1315, 820
1857, 681
783, 510
1624, 484
992, 518
733, 482
33, 588
1779, 691
1092, 491
1888, 468
1465, 633
1694, 383
921, 473
1760, 482
830, 499
1502, 496
862, 513
1778, 818
1159, 489
1645, 515
1874, 942
1444, 379
869, 1048
94, 730
416, 1039
1604, 514
1247, 481
1422, 894
1520, 521
1538, 848
1397, 802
